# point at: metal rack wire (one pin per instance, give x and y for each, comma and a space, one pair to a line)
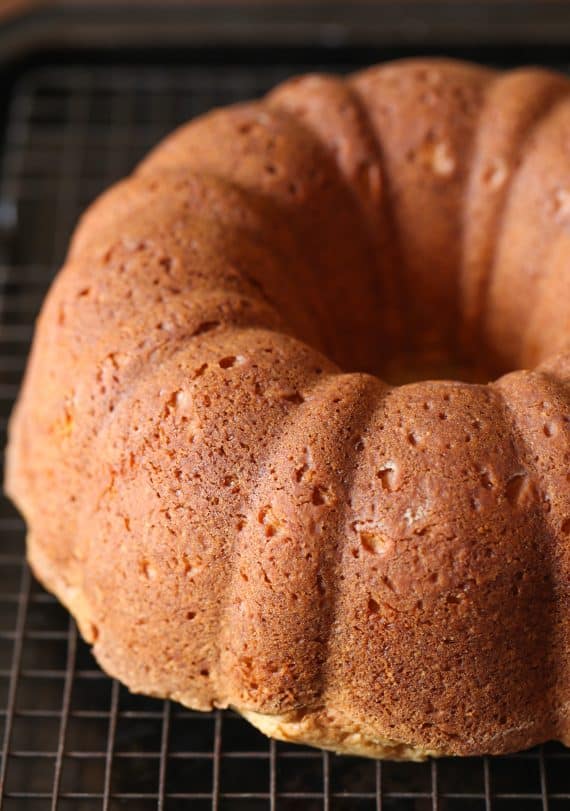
72, 738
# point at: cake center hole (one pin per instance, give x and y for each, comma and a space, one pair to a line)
411, 367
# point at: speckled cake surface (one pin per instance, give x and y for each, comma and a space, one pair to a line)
216, 479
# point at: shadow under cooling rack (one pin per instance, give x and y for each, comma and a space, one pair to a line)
74, 739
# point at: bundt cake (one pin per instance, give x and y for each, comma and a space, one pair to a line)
374, 568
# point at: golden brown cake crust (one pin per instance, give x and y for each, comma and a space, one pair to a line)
236, 521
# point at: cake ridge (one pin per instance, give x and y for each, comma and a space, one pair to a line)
377, 392
253, 514
557, 672
541, 184
426, 165
555, 95
259, 513
549, 93
391, 232
362, 159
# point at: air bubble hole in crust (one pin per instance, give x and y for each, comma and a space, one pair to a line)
147, 570
372, 542
294, 397
230, 361
321, 495
517, 488
373, 606
205, 326
388, 477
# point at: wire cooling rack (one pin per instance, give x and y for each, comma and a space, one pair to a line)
74, 739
